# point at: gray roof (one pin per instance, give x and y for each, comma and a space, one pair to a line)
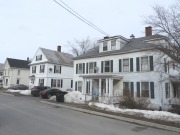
16, 63
134, 45
1, 66
58, 57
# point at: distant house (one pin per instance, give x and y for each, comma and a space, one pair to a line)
121, 66
15, 72
1, 74
51, 68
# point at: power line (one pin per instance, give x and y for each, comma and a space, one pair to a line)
73, 12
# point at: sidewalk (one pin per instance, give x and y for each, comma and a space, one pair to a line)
86, 109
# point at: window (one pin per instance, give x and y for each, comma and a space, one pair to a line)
80, 68
1, 73
105, 47
91, 67
80, 86
144, 64
126, 89
145, 89
33, 69
17, 81
41, 82
113, 45
38, 57
125, 65
167, 89
107, 66
87, 87
71, 83
42, 67
57, 69
56, 83
18, 72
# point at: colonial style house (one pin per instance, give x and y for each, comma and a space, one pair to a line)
15, 72
1, 74
119, 66
51, 68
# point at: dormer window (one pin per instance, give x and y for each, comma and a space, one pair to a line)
105, 47
38, 57
113, 45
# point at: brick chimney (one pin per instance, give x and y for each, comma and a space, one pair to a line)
58, 48
148, 31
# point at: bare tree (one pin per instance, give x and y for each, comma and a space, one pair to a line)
166, 21
82, 46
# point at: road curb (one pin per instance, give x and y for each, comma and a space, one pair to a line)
144, 123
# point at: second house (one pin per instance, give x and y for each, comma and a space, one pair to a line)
51, 68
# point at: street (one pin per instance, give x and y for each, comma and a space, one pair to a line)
25, 115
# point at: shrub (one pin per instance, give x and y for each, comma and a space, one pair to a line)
133, 103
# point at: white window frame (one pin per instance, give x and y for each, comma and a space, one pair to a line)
80, 71
41, 81
33, 69
147, 64
79, 86
106, 67
127, 66
42, 68
105, 46
56, 83
57, 70
148, 89
39, 57
91, 71
113, 46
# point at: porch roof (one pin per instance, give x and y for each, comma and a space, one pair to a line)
98, 76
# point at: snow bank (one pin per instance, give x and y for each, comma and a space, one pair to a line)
74, 97
160, 115
25, 92
53, 98
10, 90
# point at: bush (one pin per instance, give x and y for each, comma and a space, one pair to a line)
133, 103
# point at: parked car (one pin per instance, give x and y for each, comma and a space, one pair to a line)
49, 92
37, 89
19, 87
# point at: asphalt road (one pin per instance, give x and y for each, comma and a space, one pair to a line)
21, 115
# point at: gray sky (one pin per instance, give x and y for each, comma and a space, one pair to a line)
27, 25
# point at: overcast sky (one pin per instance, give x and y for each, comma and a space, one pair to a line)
26, 25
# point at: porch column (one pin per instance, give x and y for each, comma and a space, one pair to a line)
84, 85
110, 87
107, 86
91, 86
99, 87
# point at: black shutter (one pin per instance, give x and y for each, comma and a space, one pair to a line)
111, 65
87, 68
35, 69
61, 83
86, 87
138, 89
51, 82
137, 64
83, 68
76, 86
39, 82
76, 68
131, 64
102, 66
120, 65
132, 89
40, 57
95, 67
43, 83
54, 68
71, 83
165, 66
168, 66
151, 63
60, 69
152, 89
36, 58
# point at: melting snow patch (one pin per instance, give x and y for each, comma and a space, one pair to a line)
25, 92
10, 90
53, 98
160, 115
74, 97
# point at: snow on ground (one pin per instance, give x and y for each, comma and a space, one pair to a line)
74, 97
53, 98
23, 92
160, 115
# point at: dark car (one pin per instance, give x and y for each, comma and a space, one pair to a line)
19, 87
49, 92
37, 89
